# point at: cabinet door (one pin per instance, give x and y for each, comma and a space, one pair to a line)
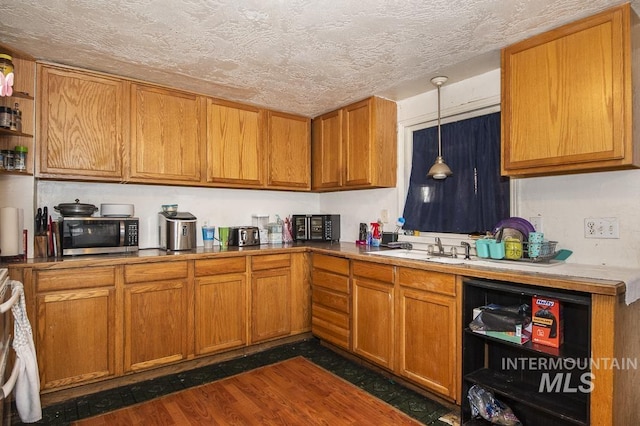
155, 324
327, 152
370, 143
75, 323
234, 144
289, 149
270, 304
165, 135
221, 313
83, 117
427, 334
357, 143
373, 312
566, 98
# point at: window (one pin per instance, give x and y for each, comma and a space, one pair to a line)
475, 197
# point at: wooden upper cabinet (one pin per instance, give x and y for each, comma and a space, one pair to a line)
356, 146
567, 98
288, 144
82, 124
326, 151
165, 136
234, 148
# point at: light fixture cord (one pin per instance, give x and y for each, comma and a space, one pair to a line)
439, 135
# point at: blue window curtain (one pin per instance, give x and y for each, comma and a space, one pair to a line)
475, 197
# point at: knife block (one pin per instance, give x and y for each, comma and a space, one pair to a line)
40, 246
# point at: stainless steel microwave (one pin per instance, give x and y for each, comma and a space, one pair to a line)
96, 235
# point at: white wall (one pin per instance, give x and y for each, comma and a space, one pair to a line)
17, 191
220, 207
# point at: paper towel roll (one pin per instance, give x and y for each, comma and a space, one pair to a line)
10, 232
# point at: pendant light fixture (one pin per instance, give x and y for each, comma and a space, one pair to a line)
439, 170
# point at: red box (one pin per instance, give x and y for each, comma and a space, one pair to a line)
548, 324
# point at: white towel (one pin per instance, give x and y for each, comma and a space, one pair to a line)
27, 390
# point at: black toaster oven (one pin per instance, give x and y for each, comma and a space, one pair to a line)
316, 227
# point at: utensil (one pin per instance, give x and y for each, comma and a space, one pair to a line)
38, 222
45, 220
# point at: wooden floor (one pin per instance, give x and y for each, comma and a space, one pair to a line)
292, 392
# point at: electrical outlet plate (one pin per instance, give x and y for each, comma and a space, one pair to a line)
384, 215
601, 227
536, 221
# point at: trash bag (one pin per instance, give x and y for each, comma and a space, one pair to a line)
501, 318
484, 405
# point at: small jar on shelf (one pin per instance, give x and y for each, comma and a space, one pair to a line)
8, 160
17, 119
5, 117
20, 158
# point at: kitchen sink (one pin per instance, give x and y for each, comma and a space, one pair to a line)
448, 260
402, 254
417, 255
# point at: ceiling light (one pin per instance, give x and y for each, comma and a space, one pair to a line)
439, 170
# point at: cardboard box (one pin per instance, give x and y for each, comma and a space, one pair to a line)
519, 335
548, 324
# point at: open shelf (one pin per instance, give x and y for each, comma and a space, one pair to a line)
8, 132
557, 404
494, 364
566, 350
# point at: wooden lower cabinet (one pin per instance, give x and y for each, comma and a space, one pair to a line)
155, 314
331, 300
96, 323
75, 333
270, 297
427, 330
373, 312
220, 304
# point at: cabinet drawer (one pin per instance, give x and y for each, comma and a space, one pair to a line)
271, 261
339, 302
327, 316
75, 278
220, 266
155, 271
374, 271
329, 280
427, 280
331, 263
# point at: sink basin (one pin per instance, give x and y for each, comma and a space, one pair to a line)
402, 254
448, 260
417, 255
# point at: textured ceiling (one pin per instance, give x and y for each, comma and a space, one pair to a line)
301, 56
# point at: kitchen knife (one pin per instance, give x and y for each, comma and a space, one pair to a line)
38, 222
45, 220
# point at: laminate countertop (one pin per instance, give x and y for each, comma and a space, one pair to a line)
594, 279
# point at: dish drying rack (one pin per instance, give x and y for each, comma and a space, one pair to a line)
547, 252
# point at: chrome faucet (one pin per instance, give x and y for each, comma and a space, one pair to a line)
467, 250
439, 243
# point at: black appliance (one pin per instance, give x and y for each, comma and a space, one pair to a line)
316, 227
95, 235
